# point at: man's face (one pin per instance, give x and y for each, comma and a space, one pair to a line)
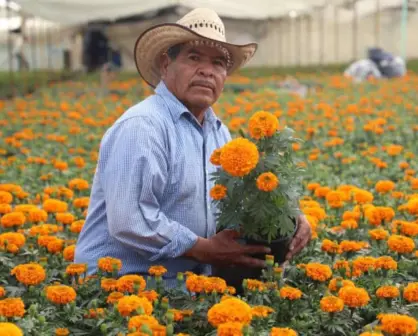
196, 76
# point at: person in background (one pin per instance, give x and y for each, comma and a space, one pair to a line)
17, 50
379, 64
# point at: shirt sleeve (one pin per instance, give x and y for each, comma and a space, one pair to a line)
134, 173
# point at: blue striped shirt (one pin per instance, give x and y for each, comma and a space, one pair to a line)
150, 194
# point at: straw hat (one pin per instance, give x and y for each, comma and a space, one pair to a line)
200, 26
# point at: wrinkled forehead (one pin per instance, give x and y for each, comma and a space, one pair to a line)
209, 48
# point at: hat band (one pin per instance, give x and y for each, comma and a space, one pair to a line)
216, 45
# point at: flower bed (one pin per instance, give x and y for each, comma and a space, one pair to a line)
358, 276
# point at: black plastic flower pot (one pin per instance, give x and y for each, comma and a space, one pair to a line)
234, 275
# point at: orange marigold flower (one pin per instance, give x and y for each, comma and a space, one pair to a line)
108, 284
283, 332
214, 284
37, 215
410, 292
384, 186
76, 269
129, 304
230, 329
337, 283
195, 283
12, 219
29, 274
157, 270
322, 192
395, 324
77, 226
313, 186
131, 283
231, 290
409, 228
55, 246
64, 217
263, 124
348, 215
151, 295
10, 329
12, 307
2, 292
378, 234
215, 158
318, 272
401, 244
94, 313
78, 184
262, 311
54, 205
335, 199
231, 310
5, 197
114, 297
255, 285
69, 252
140, 320
354, 297
387, 292
352, 246
362, 196
363, 265
267, 182
349, 224
5, 208
60, 294
43, 229
109, 264
290, 293
62, 332
12, 238
218, 192
239, 157
331, 304
386, 262
82, 202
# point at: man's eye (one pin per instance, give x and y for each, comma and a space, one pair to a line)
220, 63
194, 57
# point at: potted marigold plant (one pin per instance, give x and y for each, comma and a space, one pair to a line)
256, 189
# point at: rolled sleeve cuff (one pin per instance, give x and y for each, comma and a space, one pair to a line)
183, 240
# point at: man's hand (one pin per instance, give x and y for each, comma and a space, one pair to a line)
301, 239
223, 250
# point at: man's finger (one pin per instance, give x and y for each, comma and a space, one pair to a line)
250, 262
256, 249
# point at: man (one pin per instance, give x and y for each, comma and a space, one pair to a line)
150, 200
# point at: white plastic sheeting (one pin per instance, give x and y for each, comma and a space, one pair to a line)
81, 11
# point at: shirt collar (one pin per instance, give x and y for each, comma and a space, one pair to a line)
177, 109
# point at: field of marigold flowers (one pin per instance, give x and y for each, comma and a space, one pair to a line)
358, 276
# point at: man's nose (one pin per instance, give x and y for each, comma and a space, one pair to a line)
206, 69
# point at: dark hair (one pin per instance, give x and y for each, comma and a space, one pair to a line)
174, 51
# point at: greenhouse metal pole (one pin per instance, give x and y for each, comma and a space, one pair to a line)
355, 30
336, 34
10, 47
404, 28
377, 24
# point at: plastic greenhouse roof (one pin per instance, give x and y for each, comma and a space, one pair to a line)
73, 12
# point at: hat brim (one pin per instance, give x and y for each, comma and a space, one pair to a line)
153, 42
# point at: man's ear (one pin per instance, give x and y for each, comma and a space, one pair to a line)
164, 63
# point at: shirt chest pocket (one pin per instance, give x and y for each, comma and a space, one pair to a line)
185, 177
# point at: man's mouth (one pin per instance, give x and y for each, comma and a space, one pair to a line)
204, 84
